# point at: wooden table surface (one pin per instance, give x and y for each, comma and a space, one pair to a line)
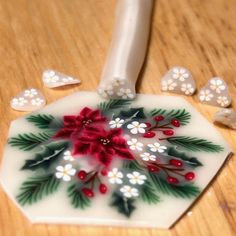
73, 36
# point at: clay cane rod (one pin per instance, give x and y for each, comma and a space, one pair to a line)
128, 49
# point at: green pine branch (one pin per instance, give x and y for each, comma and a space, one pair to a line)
41, 121
180, 114
36, 188
29, 141
124, 205
78, 200
183, 191
113, 104
194, 144
132, 165
148, 193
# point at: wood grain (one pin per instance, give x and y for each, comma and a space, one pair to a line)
73, 36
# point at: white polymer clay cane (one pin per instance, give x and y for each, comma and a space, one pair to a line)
53, 79
28, 100
178, 80
128, 49
215, 93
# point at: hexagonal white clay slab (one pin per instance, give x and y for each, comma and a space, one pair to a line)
30, 99
84, 160
215, 93
178, 80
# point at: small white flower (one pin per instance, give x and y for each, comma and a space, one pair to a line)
206, 95
136, 127
217, 85
68, 156
118, 82
187, 88
50, 77
19, 101
37, 102
115, 176
125, 93
117, 123
180, 73
65, 172
168, 85
135, 145
136, 178
129, 192
106, 91
148, 157
68, 79
30, 93
156, 147
223, 101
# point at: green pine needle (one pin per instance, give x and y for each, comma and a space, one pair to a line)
41, 121
27, 142
194, 144
148, 193
36, 188
113, 104
183, 191
180, 114
78, 200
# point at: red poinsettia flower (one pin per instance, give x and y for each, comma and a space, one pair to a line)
74, 124
102, 144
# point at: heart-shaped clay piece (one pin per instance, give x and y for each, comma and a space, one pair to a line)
53, 79
215, 93
30, 99
178, 80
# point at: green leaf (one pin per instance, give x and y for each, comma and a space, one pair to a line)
29, 141
183, 191
132, 113
191, 161
36, 188
44, 159
181, 115
113, 104
132, 165
41, 121
148, 193
194, 144
78, 200
124, 205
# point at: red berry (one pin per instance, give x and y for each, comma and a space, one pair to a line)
172, 180
159, 118
88, 192
175, 162
102, 188
189, 176
175, 122
148, 124
153, 168
149, 134
168, 132
104, 172
82, 174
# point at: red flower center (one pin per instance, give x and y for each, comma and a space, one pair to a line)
105, 141
87, 122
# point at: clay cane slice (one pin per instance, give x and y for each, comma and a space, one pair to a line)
178, 80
